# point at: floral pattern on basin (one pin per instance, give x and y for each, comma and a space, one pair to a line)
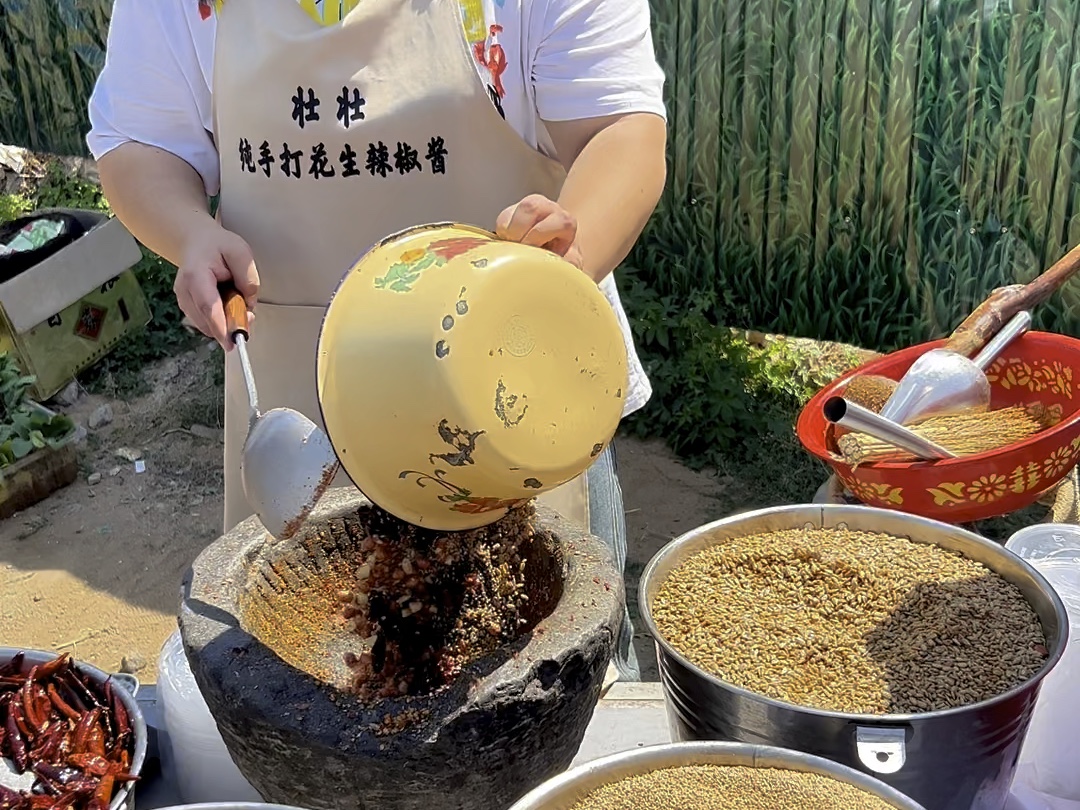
401, 275
986, 489
1035, 376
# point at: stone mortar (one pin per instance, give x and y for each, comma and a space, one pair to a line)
507, 724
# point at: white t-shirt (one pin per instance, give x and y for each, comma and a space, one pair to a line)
565, 60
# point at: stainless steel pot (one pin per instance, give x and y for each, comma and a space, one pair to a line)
125, 796
959, 759
566, 790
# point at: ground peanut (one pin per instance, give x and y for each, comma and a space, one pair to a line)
850, 621
425, 604
721, 787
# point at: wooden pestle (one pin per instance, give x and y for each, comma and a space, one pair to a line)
1005, 302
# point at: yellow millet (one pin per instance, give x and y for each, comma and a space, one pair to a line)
730, 787
850, 621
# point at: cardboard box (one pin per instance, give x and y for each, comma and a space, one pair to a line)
66, 313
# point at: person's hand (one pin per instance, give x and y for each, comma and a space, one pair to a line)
211, 256
541, 222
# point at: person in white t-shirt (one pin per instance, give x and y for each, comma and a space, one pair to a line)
326, 125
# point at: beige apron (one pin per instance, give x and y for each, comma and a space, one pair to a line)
331, 138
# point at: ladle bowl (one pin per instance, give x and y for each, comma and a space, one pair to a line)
944, 381
1037, 367
284, 485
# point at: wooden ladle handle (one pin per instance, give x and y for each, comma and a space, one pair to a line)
236, 311
997, 310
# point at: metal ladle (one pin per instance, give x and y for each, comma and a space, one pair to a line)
288, 461
840, 411
943, 381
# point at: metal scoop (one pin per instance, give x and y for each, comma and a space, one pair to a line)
288, 461
944, 381
847, 414
998, 315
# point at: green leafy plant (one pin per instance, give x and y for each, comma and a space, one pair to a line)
23, 428
13, 206
713, 393
720, 401
62, 188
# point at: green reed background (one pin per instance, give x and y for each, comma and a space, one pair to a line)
866, 170
50, 54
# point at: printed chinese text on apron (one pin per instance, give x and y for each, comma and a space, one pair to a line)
332, 138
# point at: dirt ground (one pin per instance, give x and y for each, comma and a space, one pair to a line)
96, 568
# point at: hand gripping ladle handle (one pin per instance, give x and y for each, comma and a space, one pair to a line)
236, 326
236, 310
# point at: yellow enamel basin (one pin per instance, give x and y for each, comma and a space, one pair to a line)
460, 375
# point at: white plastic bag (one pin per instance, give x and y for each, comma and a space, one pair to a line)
1049, 748
194, 756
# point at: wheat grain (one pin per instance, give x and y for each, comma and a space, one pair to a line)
850, 621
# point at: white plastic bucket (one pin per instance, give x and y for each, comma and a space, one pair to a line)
194, 757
